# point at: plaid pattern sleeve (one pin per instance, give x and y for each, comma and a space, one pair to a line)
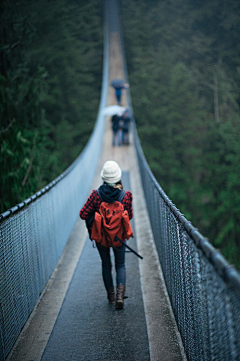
94, 201
92, 205
127, 203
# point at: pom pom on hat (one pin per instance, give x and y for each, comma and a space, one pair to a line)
111, 172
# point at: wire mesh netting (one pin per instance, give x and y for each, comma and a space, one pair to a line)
33, 238
204, 289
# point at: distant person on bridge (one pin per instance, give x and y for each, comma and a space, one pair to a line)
110, 191
126, 119
119, 85
117, 124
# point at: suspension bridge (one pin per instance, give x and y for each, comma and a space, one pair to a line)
183, 297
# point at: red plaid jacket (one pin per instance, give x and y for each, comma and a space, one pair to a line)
94, 201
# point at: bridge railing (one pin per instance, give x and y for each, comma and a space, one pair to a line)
34, 233
204, 289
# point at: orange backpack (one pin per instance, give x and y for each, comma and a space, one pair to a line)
111, 221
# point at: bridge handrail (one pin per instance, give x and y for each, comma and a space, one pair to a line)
34, 233
203, 287
227, 271
98, 130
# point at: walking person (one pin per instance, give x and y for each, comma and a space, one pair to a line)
110, 192
118, 93
119, 85
117, 130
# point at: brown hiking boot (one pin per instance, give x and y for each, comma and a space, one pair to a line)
120, 297
111, 294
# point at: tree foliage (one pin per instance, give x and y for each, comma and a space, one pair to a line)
50, 82
183, 61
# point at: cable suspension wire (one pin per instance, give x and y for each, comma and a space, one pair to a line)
34, 233
203, 287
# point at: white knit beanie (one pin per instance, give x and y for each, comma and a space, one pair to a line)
111, 172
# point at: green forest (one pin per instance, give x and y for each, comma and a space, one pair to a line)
51, 57
183, 60
184, 71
